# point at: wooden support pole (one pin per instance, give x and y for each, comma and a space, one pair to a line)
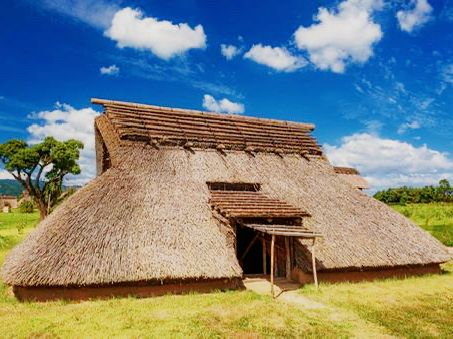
313, 260
288, 259
249, 247
263, 243
272, 264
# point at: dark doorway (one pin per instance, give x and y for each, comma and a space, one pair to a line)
252, 261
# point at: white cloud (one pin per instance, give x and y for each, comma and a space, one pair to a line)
389, 163
346, 34
63, 123
229, 51
109, 70
96, 13
222, 106
447, 74
277, 58
4, 174
415, 17
163, 38
408, 125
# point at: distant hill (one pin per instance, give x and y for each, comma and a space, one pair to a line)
12, 187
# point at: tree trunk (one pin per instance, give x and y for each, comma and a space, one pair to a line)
42, 207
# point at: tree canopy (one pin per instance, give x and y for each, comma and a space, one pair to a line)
402, 195
40, 168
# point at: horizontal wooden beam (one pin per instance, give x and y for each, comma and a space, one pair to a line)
114, 103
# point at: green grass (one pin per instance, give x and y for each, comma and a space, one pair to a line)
436, 218
13, 225
416, 307
413, 307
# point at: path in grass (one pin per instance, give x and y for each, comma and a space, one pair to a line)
288, 293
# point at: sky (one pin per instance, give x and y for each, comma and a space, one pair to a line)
374, 76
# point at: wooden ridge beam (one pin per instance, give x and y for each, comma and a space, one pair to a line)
134, 106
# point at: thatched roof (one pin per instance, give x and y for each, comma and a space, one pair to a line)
8, 197
346, 170
352, 176
178, 127
148, 217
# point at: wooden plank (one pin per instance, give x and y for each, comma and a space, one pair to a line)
294, 234
313, 260
263, 215
251, 133
263, 245
288, 259
206, 125
230, 140
148, 109
279, 227
284, 134
249, 246
257, 209
272, 265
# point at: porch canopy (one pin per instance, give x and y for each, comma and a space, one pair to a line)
263, 214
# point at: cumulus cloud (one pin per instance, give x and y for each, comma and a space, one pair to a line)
96, 13
63, 123
109, 70
229, 51
417, 16
222, 106
278, 58
389, 163
408, 125
130, 28
345, 34
4, 174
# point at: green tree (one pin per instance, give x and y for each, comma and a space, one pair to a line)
40, 168
444, 185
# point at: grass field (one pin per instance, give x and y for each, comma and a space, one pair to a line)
415, 307
436, 218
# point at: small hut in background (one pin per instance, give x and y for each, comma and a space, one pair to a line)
187, 200
352, 176
7, 202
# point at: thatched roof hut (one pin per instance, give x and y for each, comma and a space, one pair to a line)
186, 198
9, 201
352, 176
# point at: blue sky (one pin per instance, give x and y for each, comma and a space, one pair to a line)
376, 77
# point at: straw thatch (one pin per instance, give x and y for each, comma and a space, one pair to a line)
148, 217
352, 176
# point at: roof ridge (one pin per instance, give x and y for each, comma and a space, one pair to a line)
106, 102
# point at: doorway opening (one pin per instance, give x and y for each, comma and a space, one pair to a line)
250, 251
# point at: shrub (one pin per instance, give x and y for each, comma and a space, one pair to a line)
26, 207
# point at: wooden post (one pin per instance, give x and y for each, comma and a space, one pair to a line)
249, 247
272, 264
288, 259
313, 260
263, 243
